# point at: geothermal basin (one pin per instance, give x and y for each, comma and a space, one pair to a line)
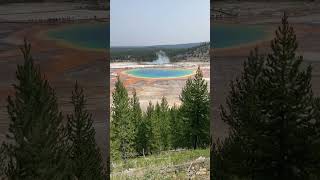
152, 82
159, 73
88, 36
232, 35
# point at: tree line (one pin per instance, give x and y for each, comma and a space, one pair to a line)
273, 117
39, 145
147, 54
161, 127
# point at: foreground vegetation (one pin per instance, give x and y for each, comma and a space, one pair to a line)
39, 146
165, 165
147, 141
274, 118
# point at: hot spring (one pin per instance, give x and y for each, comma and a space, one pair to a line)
159, 73
224, 36
89, 36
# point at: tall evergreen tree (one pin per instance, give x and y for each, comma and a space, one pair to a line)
84, 153
122, 129
288, 105
245, 120
148, 120
175, 128
164, 124
36, 135
138, 123
156, 129
271, 115
195, 111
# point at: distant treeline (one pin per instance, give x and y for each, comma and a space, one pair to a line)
142, 54
160, 128
147, 54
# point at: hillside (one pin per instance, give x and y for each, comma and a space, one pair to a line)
198, 53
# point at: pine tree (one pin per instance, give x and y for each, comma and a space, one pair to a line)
139, 125
122, 129
289, 106
148, 121
36, 138
84, 153
176, 128
227, 160
156, 129
271, 115
316, 152
245, 120
142, 139
164, 124
3, 163
195, 111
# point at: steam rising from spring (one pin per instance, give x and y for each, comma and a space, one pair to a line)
162, 58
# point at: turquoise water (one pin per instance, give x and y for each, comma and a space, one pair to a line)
224, 36
92, 36
159, 73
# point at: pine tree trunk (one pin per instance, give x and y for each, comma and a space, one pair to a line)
195, 142
283, 149
143, 153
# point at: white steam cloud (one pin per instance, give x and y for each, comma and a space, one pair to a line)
162, 58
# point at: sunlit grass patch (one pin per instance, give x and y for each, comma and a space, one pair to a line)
166, 165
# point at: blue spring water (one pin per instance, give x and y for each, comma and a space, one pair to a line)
224, 36
92, 36
159, 73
